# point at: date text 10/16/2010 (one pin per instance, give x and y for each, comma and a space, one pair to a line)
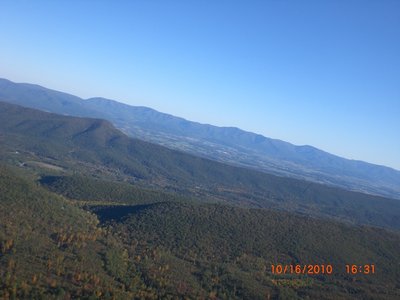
318, 269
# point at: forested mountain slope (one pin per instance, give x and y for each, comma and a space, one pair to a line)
230, 251
226, 144
95, 147
87, 212
51, 249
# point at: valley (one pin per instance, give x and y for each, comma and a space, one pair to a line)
88, 212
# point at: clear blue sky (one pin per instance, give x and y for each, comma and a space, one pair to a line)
323, 73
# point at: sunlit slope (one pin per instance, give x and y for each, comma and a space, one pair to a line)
49, 248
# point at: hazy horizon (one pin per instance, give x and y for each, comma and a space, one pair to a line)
325, 74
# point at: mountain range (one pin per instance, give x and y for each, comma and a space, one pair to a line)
225, 144
94, 147
87, 212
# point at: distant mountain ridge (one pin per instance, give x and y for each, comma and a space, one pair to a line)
226, 144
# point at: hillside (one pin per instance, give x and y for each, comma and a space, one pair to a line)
229, 145
230, 251
87, 212
51, 249
96, 149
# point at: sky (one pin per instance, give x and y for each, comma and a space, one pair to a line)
321, 73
